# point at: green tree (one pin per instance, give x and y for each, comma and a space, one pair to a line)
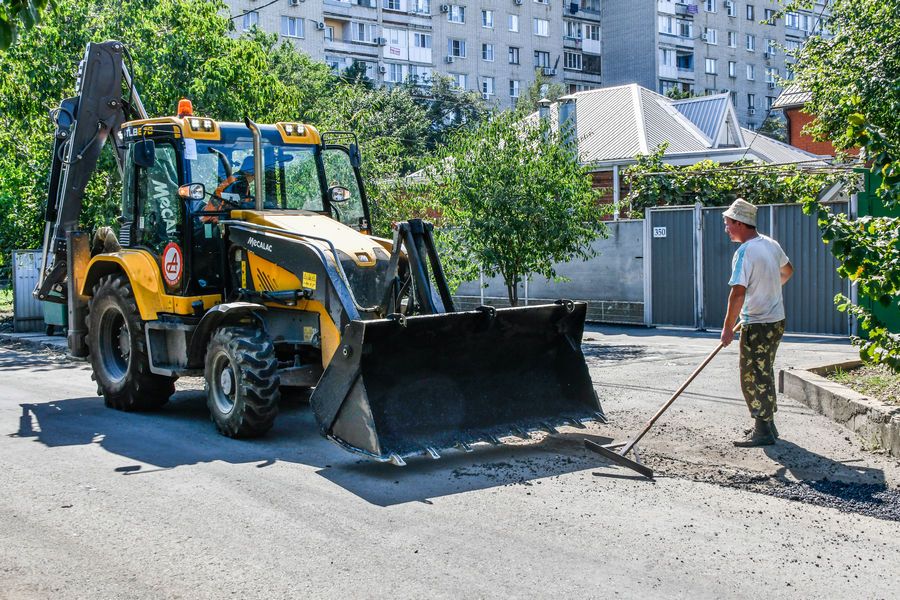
542, 88
852, 76
517, 196
15, 12
775, 128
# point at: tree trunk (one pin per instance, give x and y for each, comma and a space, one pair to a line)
512, 290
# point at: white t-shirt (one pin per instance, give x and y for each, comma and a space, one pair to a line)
757, 266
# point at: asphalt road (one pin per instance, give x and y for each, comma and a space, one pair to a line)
102, 504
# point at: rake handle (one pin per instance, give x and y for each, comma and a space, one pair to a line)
669, 402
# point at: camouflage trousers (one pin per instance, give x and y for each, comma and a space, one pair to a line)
759, 342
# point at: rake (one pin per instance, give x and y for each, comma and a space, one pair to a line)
617, 451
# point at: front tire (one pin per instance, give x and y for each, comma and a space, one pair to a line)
117, 350
241, 382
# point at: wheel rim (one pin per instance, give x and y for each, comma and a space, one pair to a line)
115, 344
223, 384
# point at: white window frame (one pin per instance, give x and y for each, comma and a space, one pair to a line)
487, 52
292, 27
732, 69
711, 66
732, 39
573, 61
250, 20
487, 19
515, 87
514, 52
751, 72
540, 27
712, 36
460, 51
456, 14
751, 42
487, 86
709, 6
513, 23
422, 40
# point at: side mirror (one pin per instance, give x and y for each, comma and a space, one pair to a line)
194, 191
355, 157
338, 194
144, 153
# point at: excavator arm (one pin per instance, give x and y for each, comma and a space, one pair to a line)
83, 124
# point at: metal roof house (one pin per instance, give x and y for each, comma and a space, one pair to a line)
614, 125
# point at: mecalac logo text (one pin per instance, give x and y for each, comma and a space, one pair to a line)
259, 245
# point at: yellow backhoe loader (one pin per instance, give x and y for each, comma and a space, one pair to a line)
244, 254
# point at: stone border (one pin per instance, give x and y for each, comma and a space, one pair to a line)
876, 422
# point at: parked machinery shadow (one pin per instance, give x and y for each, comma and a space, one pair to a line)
801, 465
180, 435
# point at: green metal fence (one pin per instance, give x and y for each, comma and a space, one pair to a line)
868, 204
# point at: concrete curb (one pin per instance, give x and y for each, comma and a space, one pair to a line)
876, 422
36, 341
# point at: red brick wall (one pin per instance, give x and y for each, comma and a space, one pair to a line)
797, 120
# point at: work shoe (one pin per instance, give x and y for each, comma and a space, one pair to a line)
760, 435
772, 427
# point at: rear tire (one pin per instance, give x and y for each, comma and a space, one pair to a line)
241, 382
117, 350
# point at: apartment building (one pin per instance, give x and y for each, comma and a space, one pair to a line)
492, 46
706, 47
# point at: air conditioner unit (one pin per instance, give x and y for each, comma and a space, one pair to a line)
445, 8
449, 58
751, 111
729, 5
517, 2
382, 69
485, 96
320, 25
573, 7
549, 71
703, 37
294, 2
381, 41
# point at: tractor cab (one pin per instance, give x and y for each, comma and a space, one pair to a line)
183, 176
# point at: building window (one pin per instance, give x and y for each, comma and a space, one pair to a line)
422, 40
751, 72
396, 37
541, 59
420, 6
419, 75
750, 12
771, 47
487, 86
572, 61
751, 100
686, 29
487, 19
329, 34
685, 61
362, 32
791, 47
457, 14
251, 19
667, 57
573, 30
514, 23
732, 68
459, 80
730, 9
542, 1
292, 27
665, 86
711, 66
792, 20
771, 75
667, 25
751, 43
514, 85
710, 6
487, 52
541, 27
592, 32
394, 73
732, 39
391, 5
513, 55
710, 35
770, 16
456, 48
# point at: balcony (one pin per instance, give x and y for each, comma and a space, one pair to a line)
351, 47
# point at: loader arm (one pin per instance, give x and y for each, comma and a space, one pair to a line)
83, 123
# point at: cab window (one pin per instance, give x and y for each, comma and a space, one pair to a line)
339, 171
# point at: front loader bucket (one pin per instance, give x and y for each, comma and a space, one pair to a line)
397, 388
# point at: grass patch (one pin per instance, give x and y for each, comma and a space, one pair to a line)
876, 381
6, 300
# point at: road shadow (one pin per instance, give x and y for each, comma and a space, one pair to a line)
180, 435
805, 466
14, 358
612, 352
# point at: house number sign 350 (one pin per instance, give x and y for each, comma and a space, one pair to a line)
659, 232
